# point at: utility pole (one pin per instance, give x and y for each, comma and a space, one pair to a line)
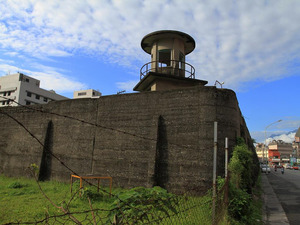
215, 172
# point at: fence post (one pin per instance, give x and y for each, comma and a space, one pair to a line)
215, 172
226, 173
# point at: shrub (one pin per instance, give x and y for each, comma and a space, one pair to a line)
241, 169
140, 204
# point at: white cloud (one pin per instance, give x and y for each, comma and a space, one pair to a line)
237, 41
279, 131
284, 136
288, 138
57, 82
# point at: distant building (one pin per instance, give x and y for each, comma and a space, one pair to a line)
296, 146
261, 152
24, 90
297, 136
90, 93
282, 149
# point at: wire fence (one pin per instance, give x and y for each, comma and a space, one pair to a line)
136, 207
139, 208
184, 211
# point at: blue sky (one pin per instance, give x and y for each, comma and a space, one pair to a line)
251, 46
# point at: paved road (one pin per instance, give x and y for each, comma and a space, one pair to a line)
287, 188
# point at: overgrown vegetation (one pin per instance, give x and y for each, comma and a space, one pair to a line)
244, 191
22, 201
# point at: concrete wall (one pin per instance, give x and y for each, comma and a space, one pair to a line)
153, 138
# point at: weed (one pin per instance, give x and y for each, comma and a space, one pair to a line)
132, 205
15, 184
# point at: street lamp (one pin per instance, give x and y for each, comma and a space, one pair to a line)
263, 159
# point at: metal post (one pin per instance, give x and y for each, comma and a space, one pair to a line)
226, 157
226, 173
215, 172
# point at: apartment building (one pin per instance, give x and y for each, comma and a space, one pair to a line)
19, 89
279, 147
90, 93
296, 145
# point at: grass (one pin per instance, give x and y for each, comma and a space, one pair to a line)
21, 201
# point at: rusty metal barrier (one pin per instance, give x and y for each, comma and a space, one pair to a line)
98, 178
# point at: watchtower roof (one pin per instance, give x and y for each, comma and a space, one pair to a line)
149, 39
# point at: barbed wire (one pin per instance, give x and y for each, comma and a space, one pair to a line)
101, 126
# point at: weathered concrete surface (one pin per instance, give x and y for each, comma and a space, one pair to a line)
140, 139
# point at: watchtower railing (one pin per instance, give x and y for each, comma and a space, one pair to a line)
171, 67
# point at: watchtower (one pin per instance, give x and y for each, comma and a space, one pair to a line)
168, 68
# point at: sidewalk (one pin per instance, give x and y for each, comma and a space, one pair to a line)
273, 213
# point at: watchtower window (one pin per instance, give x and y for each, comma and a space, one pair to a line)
164, 57
181, 60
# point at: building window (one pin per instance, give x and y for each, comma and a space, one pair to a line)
4, 94
3, 103
37, 96
27, 103
8, 93
45, 99
81, 93
28, 94
27, 80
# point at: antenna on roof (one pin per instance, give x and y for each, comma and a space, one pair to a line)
220, 83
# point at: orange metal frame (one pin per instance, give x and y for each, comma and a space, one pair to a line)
81, 178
